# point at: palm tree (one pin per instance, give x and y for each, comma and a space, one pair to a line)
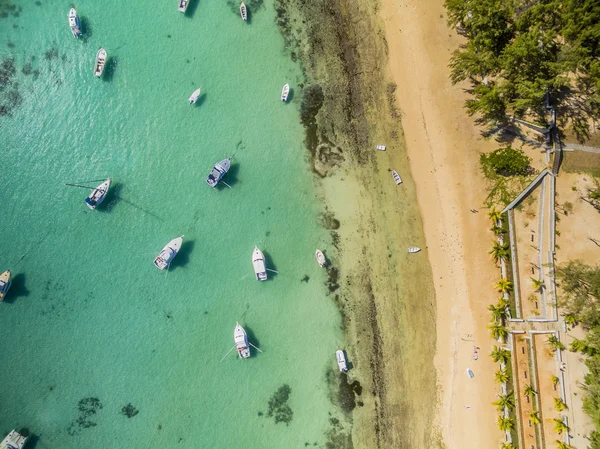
505, 424
559, 405
528, 391
501, 376
504, 285
497, 230
499, 251
537, 284
579, 346
498, 331
560, 426
561, 445
494, 215
534, 417
571, 319
498, 313
500, 355
555, 343
507, 445
505, 401
554, 380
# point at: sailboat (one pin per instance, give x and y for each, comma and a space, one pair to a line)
258, 263
285, 92
183, 4
14, 440
194, 97
321, 258
219, 170
74, 23
241, 341
100, 62
97, 195
168, 253
243, 11
4, 284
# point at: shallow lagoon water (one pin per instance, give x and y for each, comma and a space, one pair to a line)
91, 331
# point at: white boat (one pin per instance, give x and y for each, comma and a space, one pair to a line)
243, 11
194, 97
380, 147
168, 253
258, 263
219, 170
14, 440
341, 360
97, 195
100, 62
285, 92
74, 23
414, 249
4, 284
183, 4
396, 176
321, 258
241, 341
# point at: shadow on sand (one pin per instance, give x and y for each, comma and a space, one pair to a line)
17, 289
183, 256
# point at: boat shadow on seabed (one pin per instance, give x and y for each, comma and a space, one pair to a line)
230, 178
113, 197
183, 256
17, 289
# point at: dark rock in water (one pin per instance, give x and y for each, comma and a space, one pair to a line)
129, 410
278, 406
333, 276
27, 69
312, 100
348, 392
51, 54
88, 407
10, 45
38, 3
306, 278
329, 221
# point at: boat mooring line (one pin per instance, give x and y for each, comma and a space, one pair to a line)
228, 353
81, 187
32, 248
255, 347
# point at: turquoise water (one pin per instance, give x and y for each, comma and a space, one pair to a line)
90, 325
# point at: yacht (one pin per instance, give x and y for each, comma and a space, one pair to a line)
194, 97
98, 195
341, 361
285, 92
74, 23
258, 263
321, 258
219, 170
14, 440
100, 62
241, 341
243, 11
4, 284
183, 4
168, 253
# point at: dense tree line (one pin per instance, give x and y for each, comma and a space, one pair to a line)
580, 285
516, 49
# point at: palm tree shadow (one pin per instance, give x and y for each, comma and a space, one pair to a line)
191, 9
252, 339
183, 256
270, 266
231, 177
17, 289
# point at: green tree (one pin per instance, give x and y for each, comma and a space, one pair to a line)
555, 380
555, 343
501, 376
499, 251
571, 320
580, 346
534, 417
504, 285
562, 445
500, 355
505, 424
505, 401
498, 312
559, 405
505, 162
560, 426
528, 391
497, 331
537, 284
507, 445
495, 216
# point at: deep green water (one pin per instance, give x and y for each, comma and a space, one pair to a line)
88, 315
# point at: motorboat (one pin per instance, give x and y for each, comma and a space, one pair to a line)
219, 170
241, 341
100, 63
98, 195
4, 284
243, 11
285, 92
380, 147
341, 360
396, 176
74, 23
258, 263
168, 253
414, 249
321, 258
14, 440
183, 4
194, 97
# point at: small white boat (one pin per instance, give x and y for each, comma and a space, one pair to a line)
194, 97
219, 170
14, 440
100, 62
414, 249
396, 176
258, 263
341, 361
380, 147
97, 195
243, 11
285, 92
183, 4
4, 284
168, 253
321, 258
241, 341
74, 23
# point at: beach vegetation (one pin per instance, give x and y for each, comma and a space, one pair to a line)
500, 355
581, 346
571, 319
559, 405
499, 251
504, 285
499, 312
494, 215
507, 445
529, 391
497, 230
505, 162
560, 426
498, 331
501, 376
563, 445
506, 424
534, 417
555, 343
555, 380
537, 284
505, 401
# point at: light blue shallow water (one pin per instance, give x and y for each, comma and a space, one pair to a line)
88, 315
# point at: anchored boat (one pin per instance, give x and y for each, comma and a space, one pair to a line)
243, 11
258, 263
396, 177
183, 4
341, 360
321, 258
74, 23
285, 92
97, 195
4, 284
168, 253
414, 249
194, 97
14, 440
219, 170
100, 63
241, 341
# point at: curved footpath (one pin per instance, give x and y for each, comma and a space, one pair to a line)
443, 146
